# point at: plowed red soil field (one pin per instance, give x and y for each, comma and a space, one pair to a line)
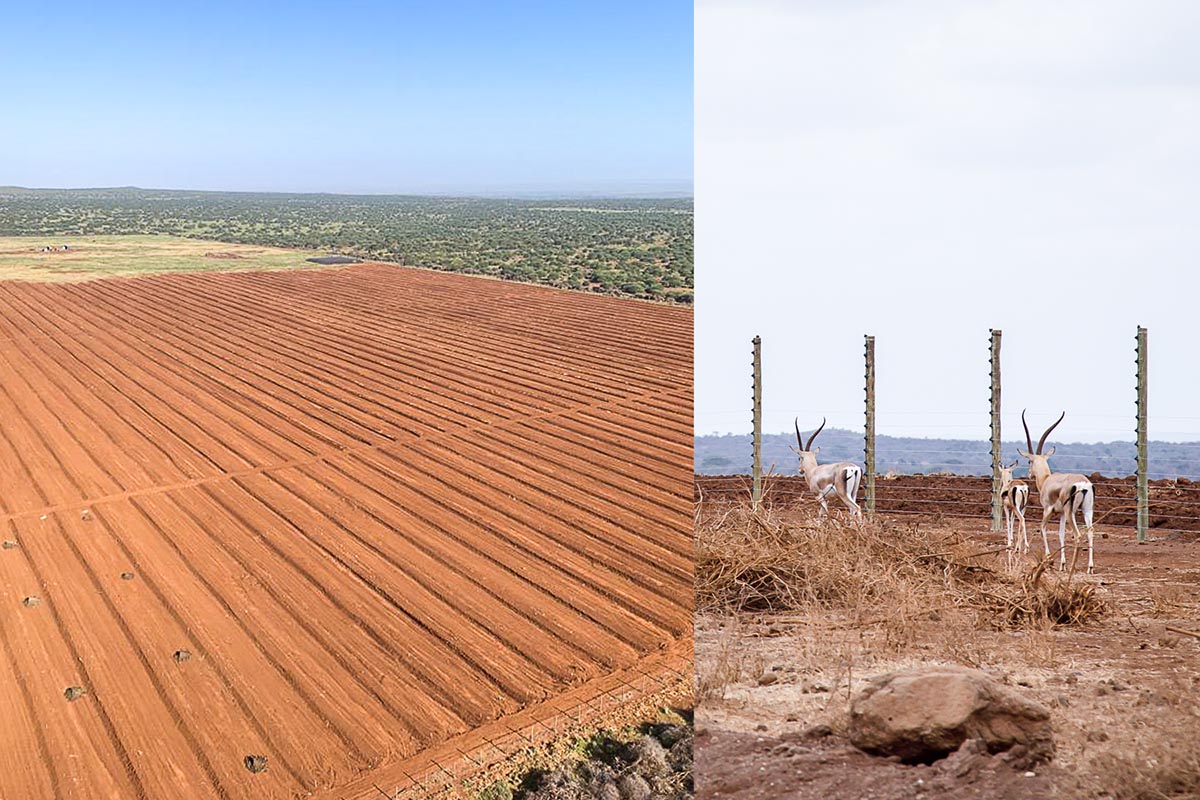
1174, 504
341, 519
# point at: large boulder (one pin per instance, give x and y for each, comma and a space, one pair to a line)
926, 713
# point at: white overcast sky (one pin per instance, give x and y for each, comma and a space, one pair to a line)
925, 171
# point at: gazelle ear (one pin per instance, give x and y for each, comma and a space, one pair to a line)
1023, 453
817, 451
794, 450
1052, 449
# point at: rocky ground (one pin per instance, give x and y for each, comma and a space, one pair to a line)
777, 690
652, 763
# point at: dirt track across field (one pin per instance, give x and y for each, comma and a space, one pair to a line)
341, 519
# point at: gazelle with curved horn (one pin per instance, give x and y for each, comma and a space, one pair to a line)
1062, 494
841, 479
1014, 496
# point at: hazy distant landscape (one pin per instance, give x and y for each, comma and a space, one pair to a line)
731, 454
632, 247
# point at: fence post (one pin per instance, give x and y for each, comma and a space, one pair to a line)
996, 443
869, 443
1143, 468
756, 485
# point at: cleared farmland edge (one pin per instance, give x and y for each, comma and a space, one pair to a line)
661, 678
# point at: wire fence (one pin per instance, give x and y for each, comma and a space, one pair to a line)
1174, 502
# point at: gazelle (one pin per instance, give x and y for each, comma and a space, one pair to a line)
1062, 493
1014, 496
841, 479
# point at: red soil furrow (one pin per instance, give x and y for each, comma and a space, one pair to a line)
656, 445
24, 754
156, 390
30, 449
18, 489
165, 759
71, 447
351, 704
338, 355
494, 640
236, 390
80, 755
622, 443
544, 355
432, 290
489, 566
209, 713
601, 460
131, 461
427, 655
382, 509
597, 473
456, 372
541, 562
270, 696
594, 331
420, 668
594, 534
127, 411
534, 521
351, 421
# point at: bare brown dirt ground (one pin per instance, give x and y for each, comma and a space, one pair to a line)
1174, 503
333, 519
1121, 688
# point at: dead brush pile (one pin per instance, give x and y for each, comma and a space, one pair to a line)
782, 560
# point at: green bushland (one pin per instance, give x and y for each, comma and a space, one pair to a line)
632, 247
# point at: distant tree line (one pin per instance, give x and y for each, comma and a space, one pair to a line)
636, 247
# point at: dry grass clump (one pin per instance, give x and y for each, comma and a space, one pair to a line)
777, 561
1038, 600
1165, 763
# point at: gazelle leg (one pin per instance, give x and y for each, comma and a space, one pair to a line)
1062, 539
1091, 532
1045, 516
1024, 530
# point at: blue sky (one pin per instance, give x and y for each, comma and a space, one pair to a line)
455, 97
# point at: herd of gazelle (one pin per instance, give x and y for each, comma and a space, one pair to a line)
1064, 494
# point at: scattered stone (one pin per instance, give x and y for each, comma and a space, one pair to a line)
760, 727
126, 576
1097, 736
821, 731
74, 693
86, 514
793, 718
926, 713
768, 678
255, 763
181, 656
31, 601
9, 544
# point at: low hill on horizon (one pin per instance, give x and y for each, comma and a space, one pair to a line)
730, 454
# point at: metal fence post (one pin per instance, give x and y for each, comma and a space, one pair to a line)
869, 435
756, 485
1143, 468
996, 443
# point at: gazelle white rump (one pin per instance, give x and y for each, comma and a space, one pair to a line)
842, 478
1061, 493
1014, 496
